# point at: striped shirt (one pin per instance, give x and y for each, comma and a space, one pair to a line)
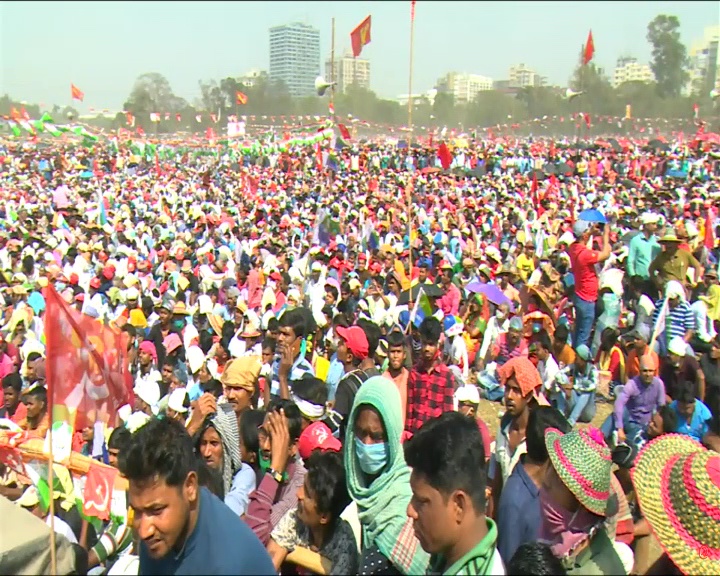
678, 321
298, 370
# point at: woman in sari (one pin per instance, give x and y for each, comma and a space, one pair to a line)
379, 482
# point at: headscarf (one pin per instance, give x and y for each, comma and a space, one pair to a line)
225, 423
382, 505
527, 376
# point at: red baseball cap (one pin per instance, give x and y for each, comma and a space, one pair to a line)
355, 339
315, 436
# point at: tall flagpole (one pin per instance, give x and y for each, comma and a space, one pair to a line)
410, 79
332, 66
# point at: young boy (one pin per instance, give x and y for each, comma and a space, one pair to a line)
396, 366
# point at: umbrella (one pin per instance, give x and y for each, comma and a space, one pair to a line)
564, 168
430, 170
492, 292
550, 168
592, 215
407, 296
539, 174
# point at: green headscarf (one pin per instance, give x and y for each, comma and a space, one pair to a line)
382, 505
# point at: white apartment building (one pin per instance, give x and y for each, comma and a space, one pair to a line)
464, 87
629, 69
348, 71
520, 76
704, 62
251, 77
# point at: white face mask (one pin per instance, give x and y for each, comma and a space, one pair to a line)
499, 314
272, 284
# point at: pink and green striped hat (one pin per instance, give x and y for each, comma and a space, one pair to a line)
677, 483
583, 462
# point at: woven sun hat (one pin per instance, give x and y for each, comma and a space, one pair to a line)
677, 482
583, 462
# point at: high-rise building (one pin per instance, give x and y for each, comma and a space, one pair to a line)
348, 71
295, 57
628, 69
464, 87
520, 76
704, 62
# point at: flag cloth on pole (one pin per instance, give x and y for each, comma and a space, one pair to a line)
14, 128
412, 10
86, 366
422, 308
589, 49
360, 36
98, 491
709, 239
76, 93
241, 98
444, 155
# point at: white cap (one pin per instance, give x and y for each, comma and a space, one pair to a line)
177, 400
467, 393
195, 358
649, 218
316, 267
148, 391
132, 294
205, 305
677, 346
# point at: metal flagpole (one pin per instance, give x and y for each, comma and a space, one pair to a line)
332, 66
410, 78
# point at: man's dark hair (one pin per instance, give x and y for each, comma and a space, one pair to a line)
37, 392
32, 357
448, 452
14, 381
669, 418
542, 339
212, 386
295, 320
129, 329
273, 324
161, 448
372, 333
685, 391
326, 480
542, 418
119, 439
395, 338
292, 413
341, 320
269, 344
250, 422
562, 333
535, 558
430, 330
310, 389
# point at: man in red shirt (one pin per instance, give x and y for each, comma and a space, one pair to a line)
431, 384
582, 262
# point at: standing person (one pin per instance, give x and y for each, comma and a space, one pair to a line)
522, 387
290, 363
582, 262
352, 350
644, 248
396, 367
379, 482
448, 504
518, 514
431, 384
183, 528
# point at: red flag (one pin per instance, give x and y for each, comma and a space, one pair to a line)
412, 10
87, 367
344, 132
589, 49
360, 37
240, 98
130, 119
76, 93
26, 116
586, 117
710, 229
178, 118
98, 491
444, 155
534, 190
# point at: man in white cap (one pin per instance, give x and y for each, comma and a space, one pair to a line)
644, 247
583, 261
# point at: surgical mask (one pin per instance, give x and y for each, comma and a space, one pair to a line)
499, 314
179, 324
371, 457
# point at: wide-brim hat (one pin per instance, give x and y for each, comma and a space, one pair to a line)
669, 238
216, 323
584, 464
677, 483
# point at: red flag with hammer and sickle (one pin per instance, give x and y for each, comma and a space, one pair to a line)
98, 491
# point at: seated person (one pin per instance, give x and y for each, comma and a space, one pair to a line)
694, 418
316, 522
578, 382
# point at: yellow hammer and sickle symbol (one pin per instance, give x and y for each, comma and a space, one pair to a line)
364, 34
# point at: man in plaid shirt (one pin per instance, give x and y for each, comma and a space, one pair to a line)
431, 384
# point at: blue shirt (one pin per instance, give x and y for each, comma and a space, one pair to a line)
244, 482
642, 252
699, 423
518, 516
220, 543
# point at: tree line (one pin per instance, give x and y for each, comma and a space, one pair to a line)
268, 98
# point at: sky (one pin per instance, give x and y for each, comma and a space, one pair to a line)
102, 47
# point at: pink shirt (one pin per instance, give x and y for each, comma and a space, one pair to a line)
449, 302
401, 381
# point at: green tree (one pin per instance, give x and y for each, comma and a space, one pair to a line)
669, 55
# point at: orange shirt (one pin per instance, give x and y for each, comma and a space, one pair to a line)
401, 381
566, 356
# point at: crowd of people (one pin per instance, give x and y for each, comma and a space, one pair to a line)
319, 354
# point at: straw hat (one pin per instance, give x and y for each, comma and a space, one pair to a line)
584, 464
216, 323
180, 309
677, 482
669, 238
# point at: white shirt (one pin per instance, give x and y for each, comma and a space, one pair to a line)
703, 325
62, 528
548, 370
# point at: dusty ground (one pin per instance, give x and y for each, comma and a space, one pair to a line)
491, 411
